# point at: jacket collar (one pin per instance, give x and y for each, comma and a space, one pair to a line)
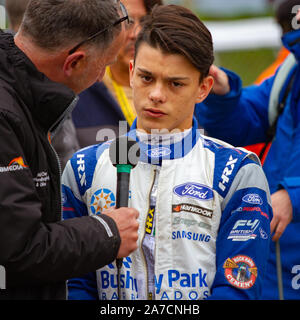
291, 41
155, 153
47, 101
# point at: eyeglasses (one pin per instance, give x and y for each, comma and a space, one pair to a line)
125, 17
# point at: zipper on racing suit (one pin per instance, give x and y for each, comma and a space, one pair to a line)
149, 237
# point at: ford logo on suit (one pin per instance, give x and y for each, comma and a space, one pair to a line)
194, 190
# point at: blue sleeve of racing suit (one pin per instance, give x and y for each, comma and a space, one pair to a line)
242, 245
84, 288
239, 117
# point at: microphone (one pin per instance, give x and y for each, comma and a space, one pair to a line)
124, 154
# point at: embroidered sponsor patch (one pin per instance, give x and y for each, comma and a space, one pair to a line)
240, 271
251, 209
253, 198
186, 207
15, 164
81, 169
227, 173
41, 179
194, 190
158, 152
183, 234
244, 230
101, 200
190, 222
150, 220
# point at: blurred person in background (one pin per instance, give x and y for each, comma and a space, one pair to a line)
104, 105
61, 48
269, 112
15, 10
283, 16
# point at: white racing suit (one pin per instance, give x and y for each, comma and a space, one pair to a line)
204, 220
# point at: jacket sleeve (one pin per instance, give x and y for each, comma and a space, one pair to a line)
242, 245
65, 141
34, 252
291, 180
239, 117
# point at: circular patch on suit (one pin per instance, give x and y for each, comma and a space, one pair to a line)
240, 271
101, 200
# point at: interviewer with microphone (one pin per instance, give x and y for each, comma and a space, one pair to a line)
61, 48
204, 206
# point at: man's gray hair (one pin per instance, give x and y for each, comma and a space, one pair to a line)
55, 24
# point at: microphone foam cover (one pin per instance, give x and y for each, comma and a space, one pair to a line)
124, 151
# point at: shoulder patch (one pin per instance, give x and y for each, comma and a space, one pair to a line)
83, 163
227, 163
228, 160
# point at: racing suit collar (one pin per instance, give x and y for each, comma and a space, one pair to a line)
291, 41
157, 138
155, 153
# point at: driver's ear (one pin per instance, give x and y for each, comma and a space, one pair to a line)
204, 88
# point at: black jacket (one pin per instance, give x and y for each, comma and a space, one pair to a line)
38, 250
65, 141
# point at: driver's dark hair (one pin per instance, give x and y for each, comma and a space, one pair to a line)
177, 30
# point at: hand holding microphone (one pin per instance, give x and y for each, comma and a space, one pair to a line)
126, 221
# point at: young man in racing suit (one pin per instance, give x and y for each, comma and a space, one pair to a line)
204, 206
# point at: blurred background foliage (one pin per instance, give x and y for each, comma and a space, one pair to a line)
249, 61
246, 63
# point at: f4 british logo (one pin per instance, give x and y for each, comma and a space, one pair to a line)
243, 230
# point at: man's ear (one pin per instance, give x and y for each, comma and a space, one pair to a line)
73, 63
131, 70
205, 88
